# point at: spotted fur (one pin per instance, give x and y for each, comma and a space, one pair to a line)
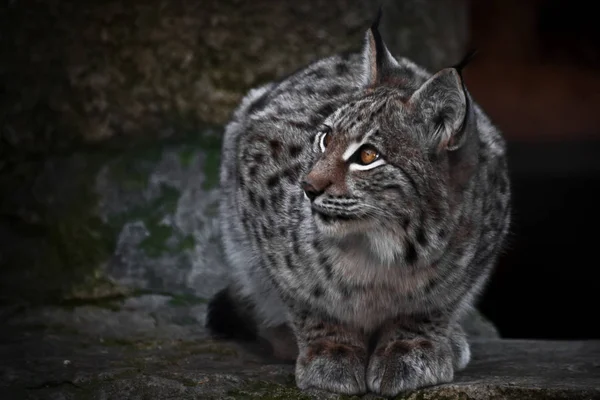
368, 268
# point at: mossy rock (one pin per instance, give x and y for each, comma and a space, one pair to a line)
102, 221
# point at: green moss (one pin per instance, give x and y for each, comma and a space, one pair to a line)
186, 156
132, 169
112, 302
186, 243
152, 215
156, 243
211, 170
263, 390
134, 344
71, 241
214, 348
185, 300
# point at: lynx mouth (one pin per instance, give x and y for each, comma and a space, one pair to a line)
328, 217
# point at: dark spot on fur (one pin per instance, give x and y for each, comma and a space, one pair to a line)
276, 196
394, 187
327, 268
430, 286
503, 185
292, 173
317, 245
309, 90
252, 171
326, 109
302, 315
273, 181
459, 252
262, 203
405, 222
345, 290
316, 73
316, 120
334, 91
267, 234
289, 262
258, 158
317, 291
411, 253
295, 242
295, 150
276, 148
341, 68
442, 233
421, 237
305, 126
252, 197
282, 231
270, 259
255, 234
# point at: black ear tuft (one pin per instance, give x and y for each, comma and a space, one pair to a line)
465, 61
375, 24
377, 60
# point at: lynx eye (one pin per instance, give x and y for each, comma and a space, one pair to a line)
368, 155
365, 158
325, 138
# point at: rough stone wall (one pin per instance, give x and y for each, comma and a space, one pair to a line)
99, 69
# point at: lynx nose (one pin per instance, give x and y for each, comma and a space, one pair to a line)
311, 191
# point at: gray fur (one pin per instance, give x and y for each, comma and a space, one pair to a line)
373, 274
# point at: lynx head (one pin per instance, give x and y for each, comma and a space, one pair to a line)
392, 159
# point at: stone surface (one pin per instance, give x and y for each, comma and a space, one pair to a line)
154, 347
101, 221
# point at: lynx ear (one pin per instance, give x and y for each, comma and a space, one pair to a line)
377, 60
443, 103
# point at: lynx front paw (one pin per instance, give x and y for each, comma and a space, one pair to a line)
331, 366
402, 365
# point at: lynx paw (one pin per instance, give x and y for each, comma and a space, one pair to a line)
331, 366
402, 365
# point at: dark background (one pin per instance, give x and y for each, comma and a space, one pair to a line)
537, 76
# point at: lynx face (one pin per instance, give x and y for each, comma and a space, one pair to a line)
381, 160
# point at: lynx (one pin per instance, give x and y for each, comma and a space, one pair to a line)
364, 204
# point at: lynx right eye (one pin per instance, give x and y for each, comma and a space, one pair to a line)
325, 138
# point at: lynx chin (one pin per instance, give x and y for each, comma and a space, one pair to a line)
364, 204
